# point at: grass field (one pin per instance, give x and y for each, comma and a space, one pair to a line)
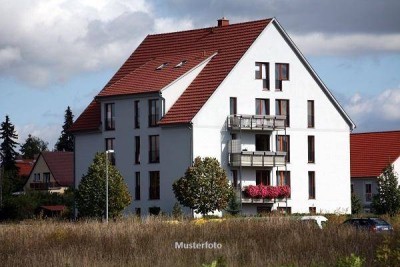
270, 241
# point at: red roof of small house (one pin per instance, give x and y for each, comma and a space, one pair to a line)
136, 74
61, 166
24, 166
54, 207
371, 152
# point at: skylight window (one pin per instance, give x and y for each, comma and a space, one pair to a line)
162, 66
180, 64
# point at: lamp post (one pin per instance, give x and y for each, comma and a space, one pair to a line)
107, 152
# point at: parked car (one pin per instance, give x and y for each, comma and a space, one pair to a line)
369, 224
318, 220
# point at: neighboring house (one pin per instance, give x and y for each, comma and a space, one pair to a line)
24, 167
371, 153
242, 93
53, 172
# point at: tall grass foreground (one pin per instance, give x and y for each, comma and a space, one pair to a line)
156, 242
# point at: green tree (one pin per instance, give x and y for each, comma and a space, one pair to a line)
204, 188
91, 193
33, 146
7, 147
356, 206
388, 198
66, 140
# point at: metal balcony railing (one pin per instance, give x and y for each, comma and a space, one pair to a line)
257, 159
256, 122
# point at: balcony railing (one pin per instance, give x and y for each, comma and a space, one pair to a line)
257, 159
256, 122
43, 186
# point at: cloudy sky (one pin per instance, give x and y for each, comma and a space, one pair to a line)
60, 53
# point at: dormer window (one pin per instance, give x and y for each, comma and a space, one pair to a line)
180, 64
162, 66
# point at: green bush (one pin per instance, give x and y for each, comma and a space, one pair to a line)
351, 261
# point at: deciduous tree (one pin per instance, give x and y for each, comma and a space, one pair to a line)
204, 188
33, 146
388, 198
91, 193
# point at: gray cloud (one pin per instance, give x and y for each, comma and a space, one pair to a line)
340, 16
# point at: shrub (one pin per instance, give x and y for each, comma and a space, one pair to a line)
351, 261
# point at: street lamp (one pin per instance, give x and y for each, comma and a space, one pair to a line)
107, 152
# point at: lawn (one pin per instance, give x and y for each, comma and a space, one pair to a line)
270, 241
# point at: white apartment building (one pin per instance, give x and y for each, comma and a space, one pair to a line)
242, 93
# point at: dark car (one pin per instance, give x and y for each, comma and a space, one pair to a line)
369, 224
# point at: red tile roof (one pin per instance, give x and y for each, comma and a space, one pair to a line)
136, 75
370, 153
24, 166
61, 165
54, 207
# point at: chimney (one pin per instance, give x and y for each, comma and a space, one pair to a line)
223, 22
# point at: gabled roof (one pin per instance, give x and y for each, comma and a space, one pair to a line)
24, 166
371, 152
138, 75
61, 166
230, 42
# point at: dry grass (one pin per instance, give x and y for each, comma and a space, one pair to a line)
275, 241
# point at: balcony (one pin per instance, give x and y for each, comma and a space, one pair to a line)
43, 186
256, 122
257, 159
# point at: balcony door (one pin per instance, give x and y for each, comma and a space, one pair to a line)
262, 142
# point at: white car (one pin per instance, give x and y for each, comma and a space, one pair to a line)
318, 219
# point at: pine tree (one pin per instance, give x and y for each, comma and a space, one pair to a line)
7, 147
33, 146
388, 198
66, 140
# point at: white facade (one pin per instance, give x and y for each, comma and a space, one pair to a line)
209, 135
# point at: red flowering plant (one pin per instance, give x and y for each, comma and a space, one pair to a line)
272, 192
284, 191
252, 191
262, 191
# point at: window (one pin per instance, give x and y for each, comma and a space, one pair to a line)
262, 73
235, 179
154, 189
138, 212
283, 145
352, 188
137, 114
180, 64
284, 210
283, 178
46, 177
310, 113
154, 149
311, 185
312, 210
110, 145
311, 149
282, 108
263, 177
162, 66
281, 74
262, 106
233, 106
137, 149
368, 192
262, 142
154, 210
110, 116
137, 186
36, 177
154, 112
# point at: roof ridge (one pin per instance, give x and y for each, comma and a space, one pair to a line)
212, 27
377, 132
